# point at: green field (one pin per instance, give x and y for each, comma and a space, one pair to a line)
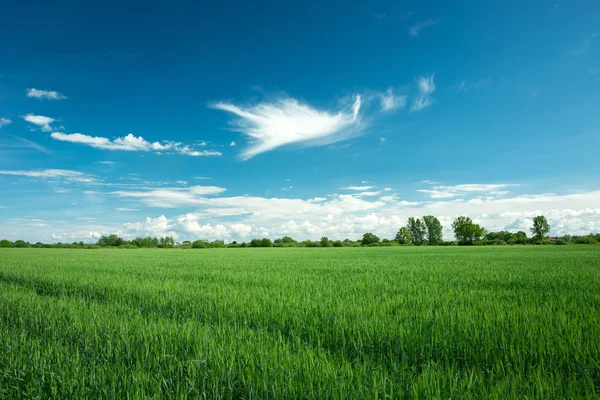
403, 322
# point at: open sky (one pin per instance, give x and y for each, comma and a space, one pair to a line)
234, 119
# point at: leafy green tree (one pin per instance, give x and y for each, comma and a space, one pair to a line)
110, 241
434, 229
403, 236
369, 239
466, 231
325, 242
21, 243
417, 230
166, 242
266, 242
540, 227
6, 243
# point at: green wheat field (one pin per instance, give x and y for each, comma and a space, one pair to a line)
360, 323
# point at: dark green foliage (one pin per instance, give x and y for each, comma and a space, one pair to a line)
369, 239
110, 241
586, 240
403, 236
417, 230
540, 227
467, 232
433, 229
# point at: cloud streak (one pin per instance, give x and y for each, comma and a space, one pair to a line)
52, 175
287, 121
416, 29
4, 122
132, 143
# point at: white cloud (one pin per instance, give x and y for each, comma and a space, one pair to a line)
336, 216
426, 88
357, 188
442, 192
287, 121
172, 197
131, 143
202, 177
232, 144
416, 29
52, 174
45, 94
40, 120
391, 102
126, 209
105, 162
4, 122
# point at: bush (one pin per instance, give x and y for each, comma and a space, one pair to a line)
560, 242
495, 242
586, 240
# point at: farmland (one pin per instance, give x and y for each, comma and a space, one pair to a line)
398, 322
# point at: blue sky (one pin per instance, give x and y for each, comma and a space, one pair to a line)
332, 118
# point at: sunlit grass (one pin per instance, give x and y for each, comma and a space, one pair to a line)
518, 322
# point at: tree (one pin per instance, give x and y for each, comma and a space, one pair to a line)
110, 240
417, 230
325, 242
369, 239
166, 242
5, 243
466, 231
403, 236
540, 227
434, 229
266, 242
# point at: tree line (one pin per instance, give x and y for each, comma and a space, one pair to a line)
418, 232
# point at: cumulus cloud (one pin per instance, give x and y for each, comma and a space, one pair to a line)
426, 88
131, 143
205, 215
416, 29
390, 102
287, 121
52, 174
45, 94
40, 121
4, 122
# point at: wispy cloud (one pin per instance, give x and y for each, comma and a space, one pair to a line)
40, 121
52, 174
203, 177
480, 84
358, 188
380, 16
4, 122
26, 143
426, 88
287, 121
105, 162
444, 192
416, 29
391, 102
172, 197
132, 143
45, 94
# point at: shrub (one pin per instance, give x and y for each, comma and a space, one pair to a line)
586, 240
